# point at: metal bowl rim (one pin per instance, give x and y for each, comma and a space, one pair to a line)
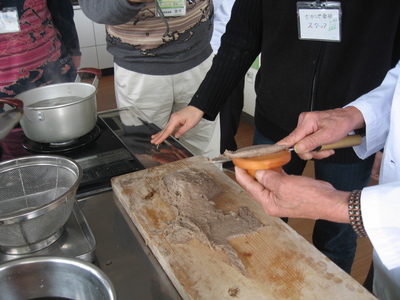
86, 266
42, 159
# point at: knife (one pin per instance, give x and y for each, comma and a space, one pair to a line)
260, 150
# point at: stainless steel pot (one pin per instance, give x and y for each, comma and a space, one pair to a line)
60, 112
50, 277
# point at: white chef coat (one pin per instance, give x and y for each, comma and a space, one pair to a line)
222, 14
380, 205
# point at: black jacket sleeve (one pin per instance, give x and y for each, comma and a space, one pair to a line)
240, 46
62, 13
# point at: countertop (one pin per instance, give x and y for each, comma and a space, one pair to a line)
121, 252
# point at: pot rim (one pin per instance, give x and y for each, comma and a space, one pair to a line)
63, 260
60, 200
28, 93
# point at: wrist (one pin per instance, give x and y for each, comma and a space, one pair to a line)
356, 117
336, 207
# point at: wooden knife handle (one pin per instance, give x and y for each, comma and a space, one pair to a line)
348, 141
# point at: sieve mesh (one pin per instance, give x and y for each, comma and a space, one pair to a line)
36, 198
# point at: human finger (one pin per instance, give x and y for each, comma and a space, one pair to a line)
159, 137
321, 154
256, 189
179, 123
247, 181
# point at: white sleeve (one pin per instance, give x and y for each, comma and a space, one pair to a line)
222, 14
376, 108
380, 207
380, 204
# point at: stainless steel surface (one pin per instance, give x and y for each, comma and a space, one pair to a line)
121, 252
77, 241
52, 277
62, 121
37, 194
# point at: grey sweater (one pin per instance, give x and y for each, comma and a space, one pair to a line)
139, 41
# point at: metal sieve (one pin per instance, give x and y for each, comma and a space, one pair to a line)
37, 194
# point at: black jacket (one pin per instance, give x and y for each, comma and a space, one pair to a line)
298, 75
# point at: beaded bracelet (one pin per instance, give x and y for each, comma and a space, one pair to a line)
355, 213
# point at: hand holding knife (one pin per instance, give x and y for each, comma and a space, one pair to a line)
260, 150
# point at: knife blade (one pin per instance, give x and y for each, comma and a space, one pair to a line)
260, 150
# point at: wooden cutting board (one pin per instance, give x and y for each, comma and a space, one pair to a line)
280, 264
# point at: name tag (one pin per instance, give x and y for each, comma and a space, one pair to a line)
9, 20
172, 8
319, 21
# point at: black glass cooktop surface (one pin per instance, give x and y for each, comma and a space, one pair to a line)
121, 145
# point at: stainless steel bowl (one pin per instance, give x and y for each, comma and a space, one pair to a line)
54, 277
37, 194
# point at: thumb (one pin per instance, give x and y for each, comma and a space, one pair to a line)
264, 189
310, 142
269, 179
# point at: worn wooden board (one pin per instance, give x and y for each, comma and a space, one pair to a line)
280, 263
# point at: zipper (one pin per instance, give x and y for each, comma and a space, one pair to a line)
314, 81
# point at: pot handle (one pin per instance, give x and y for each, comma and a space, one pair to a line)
94, 71
9, 118
11, 101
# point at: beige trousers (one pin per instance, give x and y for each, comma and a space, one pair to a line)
160, 96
